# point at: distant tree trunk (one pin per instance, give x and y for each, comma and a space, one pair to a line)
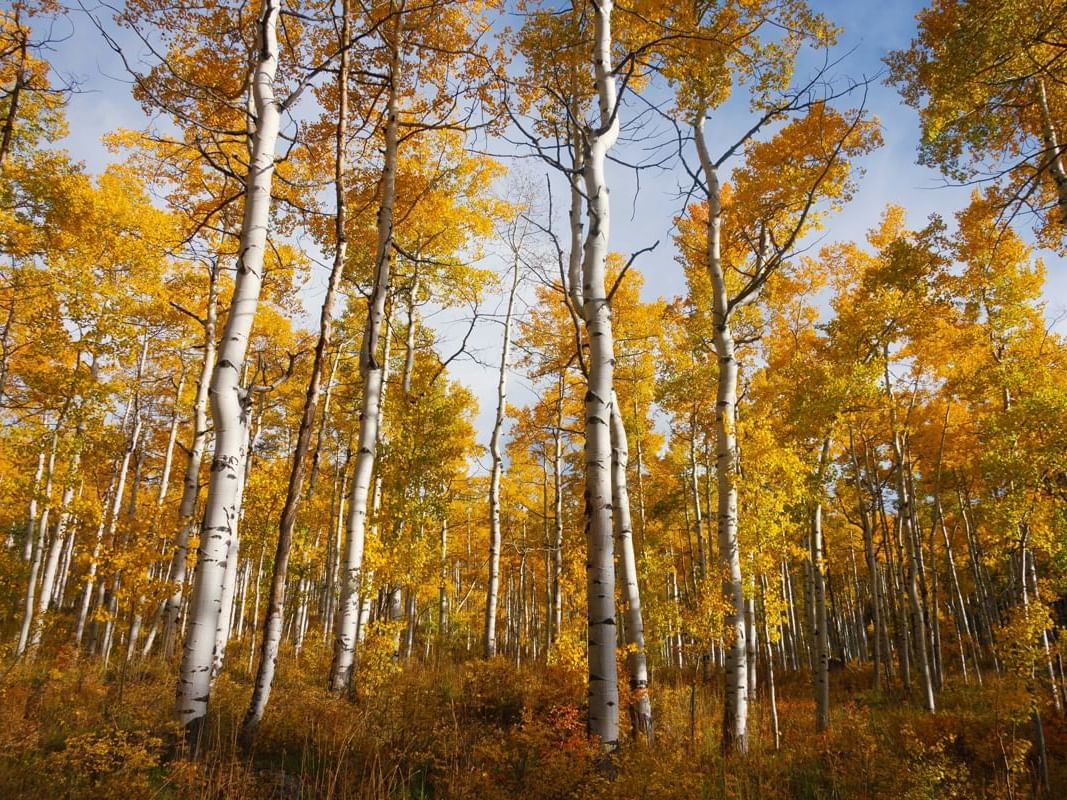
59, 538
31, 514
371, 371
555, 621
191, 481
634, 628
735, 711
911, 545
164, 485
771, 694
228, 398
872, 565
39, 543
272, 624
821, 633
496, 453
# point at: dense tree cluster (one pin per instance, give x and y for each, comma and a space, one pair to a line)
824, 455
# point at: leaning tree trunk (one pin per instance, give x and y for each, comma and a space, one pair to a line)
228, 398
272, 624
191, 480
493, 588
603, 719
634, 628
735, 708
369, 419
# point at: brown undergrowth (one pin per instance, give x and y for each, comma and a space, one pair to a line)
493, 730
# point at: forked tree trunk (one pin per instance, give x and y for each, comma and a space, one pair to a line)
228, 398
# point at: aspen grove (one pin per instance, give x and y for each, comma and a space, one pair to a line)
502, 398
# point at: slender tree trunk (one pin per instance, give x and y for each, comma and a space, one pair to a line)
371, 372
636, 660
772, 696
1053, 151
556, 614
496, 453
39, 543
821, 633
191, 480
31, 514
735, 707
59, 538
872, 566
272, 624
228, 398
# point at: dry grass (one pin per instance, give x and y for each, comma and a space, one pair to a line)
491, 730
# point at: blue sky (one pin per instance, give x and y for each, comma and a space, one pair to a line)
870, 30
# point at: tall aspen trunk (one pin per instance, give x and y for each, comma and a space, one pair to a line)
161, 497
735, 707
31, 513
29, 604
496, 453
109, 519
1053, 151
555, 621
872, 566
634, 628
59, 538
191, 480
820, 631
596, 312
698, 517
371, 369
272, 624
905, 520
771, 692
228, 399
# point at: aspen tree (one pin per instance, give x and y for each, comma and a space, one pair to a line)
370, 368
495, 451
272, 625
227, 398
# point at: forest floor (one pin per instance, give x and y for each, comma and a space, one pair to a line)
488, 730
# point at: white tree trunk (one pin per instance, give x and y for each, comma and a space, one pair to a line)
39, 542
191, 481
228, 398
735, 711
496, 453
272, 625
634, 627
59, 539
821, 632
369, 421
31, 513
596, 313
1053, 154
